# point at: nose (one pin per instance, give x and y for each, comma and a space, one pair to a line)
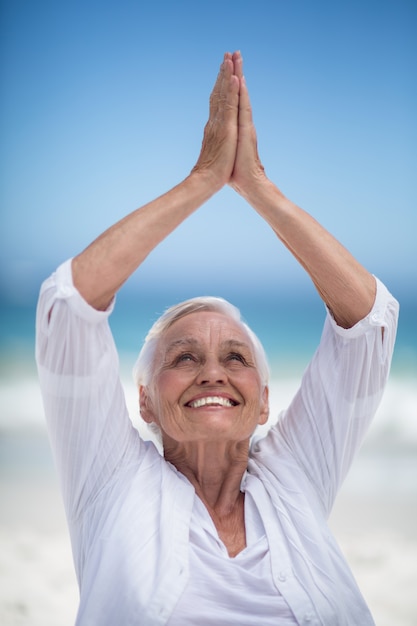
211, 372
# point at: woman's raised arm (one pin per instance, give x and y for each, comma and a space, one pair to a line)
346, 287
101, 269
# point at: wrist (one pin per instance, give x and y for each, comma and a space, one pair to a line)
269, 202
257, 188
206, 180
201, 186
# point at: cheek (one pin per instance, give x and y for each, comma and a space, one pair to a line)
251, 384
166, 383
254, 392
169, 387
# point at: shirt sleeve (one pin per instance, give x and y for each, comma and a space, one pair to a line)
89, 428
341, 389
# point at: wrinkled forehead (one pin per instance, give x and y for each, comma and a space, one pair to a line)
205, 328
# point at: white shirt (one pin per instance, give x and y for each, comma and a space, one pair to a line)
237, 591
145, 550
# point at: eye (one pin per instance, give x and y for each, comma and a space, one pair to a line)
185, 357
235, 356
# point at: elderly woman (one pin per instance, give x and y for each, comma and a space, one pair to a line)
215, 531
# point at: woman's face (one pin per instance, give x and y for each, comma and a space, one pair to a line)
206, 386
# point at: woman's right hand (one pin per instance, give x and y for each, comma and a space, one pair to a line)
218, 151
248, 172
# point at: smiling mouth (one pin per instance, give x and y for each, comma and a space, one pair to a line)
211, 401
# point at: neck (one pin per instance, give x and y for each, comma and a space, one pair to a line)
214, 469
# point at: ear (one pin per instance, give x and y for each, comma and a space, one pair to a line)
264, 413
145, 405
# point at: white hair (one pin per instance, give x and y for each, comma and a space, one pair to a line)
144, 366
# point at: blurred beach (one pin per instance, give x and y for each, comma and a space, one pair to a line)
374, 520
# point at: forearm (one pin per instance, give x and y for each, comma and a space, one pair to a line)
346, 287
101, 269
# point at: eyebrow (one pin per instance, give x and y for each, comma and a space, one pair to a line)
237, 345
183, 342
190, 342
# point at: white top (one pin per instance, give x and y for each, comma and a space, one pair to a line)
145, 550
237, 591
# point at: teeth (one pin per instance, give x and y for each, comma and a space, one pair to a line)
211, 400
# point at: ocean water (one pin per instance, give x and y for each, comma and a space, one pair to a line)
290, 329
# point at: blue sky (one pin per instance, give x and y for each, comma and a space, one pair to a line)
103, 106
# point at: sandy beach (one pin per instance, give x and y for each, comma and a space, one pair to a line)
37, 582
376, 528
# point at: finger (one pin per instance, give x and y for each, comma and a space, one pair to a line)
225, 96
225, 72
245, 109
230, 105
216, 89
238, 64
225, 68
229, 94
